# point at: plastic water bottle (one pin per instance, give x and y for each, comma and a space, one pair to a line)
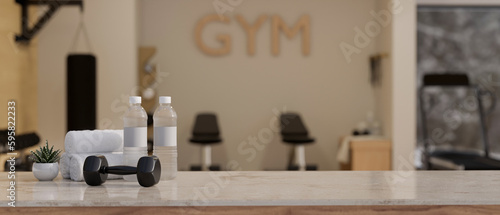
135, 135
165, 138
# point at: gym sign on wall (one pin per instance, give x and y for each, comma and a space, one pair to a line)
277, 26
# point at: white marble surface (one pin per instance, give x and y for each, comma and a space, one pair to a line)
268, 188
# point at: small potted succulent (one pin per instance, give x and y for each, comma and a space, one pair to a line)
45, 166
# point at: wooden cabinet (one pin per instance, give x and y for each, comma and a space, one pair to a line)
369, 154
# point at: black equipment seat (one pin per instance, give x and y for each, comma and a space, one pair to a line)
22, 141
206, 130
293, 129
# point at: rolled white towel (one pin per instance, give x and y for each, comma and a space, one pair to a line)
64, 165
95, 141
77, 161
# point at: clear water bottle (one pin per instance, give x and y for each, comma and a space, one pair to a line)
135, 135
165, 138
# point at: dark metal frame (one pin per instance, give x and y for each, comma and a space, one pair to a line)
484, 137
26, 33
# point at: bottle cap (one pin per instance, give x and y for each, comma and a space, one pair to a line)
165, 100
134, 99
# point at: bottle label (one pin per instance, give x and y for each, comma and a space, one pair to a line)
135, 137
165, 136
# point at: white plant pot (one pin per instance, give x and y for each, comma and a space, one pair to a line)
45, 171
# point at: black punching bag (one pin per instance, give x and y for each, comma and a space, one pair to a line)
81, 92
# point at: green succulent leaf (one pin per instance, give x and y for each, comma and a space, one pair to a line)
36, 156
46, 154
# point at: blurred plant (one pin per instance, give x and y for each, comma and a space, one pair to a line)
45, 155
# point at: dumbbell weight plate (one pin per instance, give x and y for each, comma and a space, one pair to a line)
91, 170
148, 171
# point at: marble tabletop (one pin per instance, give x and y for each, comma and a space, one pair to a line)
267, 188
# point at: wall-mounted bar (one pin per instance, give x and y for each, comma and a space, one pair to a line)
26, 33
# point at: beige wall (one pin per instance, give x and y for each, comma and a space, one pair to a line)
331, 94
18, 70
396, 98
403, 84
112, 29
383, 93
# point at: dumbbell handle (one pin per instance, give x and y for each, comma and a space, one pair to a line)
120, 170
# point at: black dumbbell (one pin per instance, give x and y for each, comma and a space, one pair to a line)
96, 170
